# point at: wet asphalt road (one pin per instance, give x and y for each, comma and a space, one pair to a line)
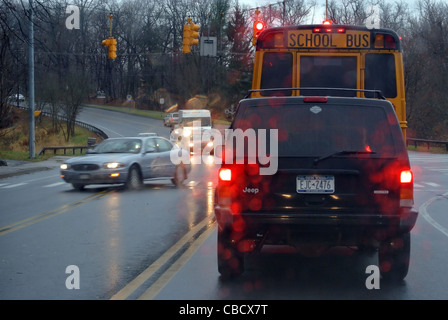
160, 242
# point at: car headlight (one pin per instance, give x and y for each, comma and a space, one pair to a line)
186, 132
113, 165
64, 166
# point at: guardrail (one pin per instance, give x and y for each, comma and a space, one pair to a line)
428, 143
90, 141
56, 149
89, 127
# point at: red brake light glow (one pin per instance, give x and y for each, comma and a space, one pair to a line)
406, 176
315, 99
225, 174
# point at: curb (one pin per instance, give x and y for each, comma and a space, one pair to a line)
31, 167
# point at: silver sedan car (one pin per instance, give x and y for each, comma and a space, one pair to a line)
128, 161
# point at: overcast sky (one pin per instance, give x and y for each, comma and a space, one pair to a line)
318, 14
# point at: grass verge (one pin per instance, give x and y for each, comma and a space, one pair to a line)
14, 141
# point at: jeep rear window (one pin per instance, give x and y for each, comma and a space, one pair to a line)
315, 130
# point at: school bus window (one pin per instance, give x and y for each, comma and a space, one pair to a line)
276, 73
380, 74
329, 72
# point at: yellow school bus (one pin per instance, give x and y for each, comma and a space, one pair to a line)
324, 60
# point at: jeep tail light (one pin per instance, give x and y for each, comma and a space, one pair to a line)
406, 176
407, 188
225, 174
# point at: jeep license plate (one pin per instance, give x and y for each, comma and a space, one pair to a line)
315, 184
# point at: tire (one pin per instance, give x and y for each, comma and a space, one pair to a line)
134, 181
394, 256
180, 175
78, 186
230, 260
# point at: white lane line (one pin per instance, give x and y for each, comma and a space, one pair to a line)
14, 185
432, 184
422, 210
54, 184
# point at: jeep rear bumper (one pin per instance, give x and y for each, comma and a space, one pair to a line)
252, 223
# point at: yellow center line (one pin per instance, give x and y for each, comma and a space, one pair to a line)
156, 265
48, 214
161, 282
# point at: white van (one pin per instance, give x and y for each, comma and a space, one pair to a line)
188, 123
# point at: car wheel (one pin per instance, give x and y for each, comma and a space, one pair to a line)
230, 260
394, 256
134, 181
78, 186
180, 175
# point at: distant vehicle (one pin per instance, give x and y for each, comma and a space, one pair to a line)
129, 161
16, 97
188, 119
171, 119
342, 178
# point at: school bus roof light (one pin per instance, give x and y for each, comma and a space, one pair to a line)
389, 42
379, 41
328, 30
326, 23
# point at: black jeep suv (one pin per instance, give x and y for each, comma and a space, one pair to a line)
338, 175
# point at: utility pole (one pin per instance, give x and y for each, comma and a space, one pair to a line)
31, 85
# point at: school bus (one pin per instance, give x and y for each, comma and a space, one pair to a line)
323, 60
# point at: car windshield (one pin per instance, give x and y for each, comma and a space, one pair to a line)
119, 146
317, 130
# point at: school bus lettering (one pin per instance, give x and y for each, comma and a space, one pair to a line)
307, 39
357, 40
311, 40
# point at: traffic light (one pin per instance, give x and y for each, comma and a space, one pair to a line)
258, 27
190, 36
111, 43
186, 39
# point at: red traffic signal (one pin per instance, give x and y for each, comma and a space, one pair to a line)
258, 27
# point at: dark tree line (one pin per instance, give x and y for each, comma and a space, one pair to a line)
72, 65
